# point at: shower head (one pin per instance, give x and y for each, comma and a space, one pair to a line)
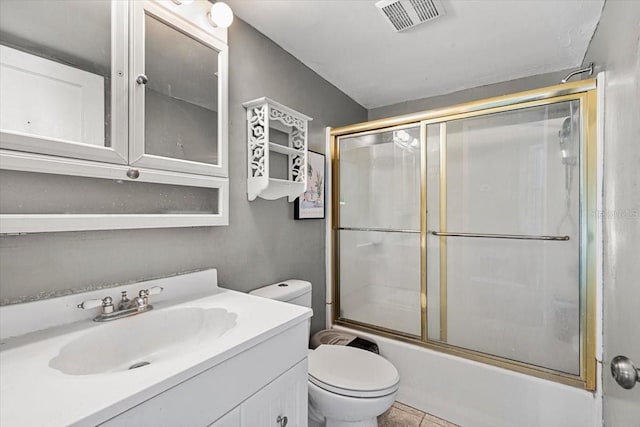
588, 69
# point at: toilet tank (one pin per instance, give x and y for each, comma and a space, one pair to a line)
293, 291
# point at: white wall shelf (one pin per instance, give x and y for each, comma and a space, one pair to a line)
282, 149
264, 114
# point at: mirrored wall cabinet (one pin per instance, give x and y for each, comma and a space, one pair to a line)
131, 91
276, 150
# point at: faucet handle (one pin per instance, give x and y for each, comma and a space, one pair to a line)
140, 302
106, 303
155, 290
91, 303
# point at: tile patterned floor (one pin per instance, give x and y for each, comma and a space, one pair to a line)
400, 415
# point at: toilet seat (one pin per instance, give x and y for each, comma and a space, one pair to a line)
353, 393
352, 372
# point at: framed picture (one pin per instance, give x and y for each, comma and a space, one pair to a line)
310, 204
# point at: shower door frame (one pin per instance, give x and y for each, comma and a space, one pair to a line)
585, 92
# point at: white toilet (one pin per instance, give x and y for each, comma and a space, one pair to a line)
348, 387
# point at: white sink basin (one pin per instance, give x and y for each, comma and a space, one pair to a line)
52, 354
141, 340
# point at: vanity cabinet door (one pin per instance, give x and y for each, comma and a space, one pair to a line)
285, 398
64, 70
178, 94
231, 419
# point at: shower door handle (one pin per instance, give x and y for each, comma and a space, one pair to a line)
624, 372
499, 236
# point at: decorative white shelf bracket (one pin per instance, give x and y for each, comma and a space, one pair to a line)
264, 114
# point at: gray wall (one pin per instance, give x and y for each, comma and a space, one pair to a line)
262, 244
473, 94
615, 49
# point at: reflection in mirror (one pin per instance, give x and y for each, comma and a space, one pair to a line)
56, 69
181, 97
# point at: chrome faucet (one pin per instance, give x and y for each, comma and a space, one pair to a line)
126, 307
141, 302
124, 301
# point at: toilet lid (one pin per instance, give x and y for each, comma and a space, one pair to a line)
352, 371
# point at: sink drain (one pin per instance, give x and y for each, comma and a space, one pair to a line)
139, 365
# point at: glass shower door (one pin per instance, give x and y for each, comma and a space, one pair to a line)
504, 235
379, 229
471, 230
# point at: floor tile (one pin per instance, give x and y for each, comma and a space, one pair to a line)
398, 418
428, 422
401, 415
431, 421
408, 409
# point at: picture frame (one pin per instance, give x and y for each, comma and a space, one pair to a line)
311, 203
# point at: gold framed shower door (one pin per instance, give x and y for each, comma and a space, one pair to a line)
583, 91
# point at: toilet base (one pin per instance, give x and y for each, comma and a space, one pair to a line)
335, 423
373, 422
327, 409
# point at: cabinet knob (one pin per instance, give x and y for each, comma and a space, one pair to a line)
282, 421
142, 79
133, 173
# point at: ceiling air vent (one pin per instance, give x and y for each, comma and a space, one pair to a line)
404, 14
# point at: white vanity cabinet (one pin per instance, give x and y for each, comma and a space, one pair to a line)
281, 402
251, 389
231, 419
215, 357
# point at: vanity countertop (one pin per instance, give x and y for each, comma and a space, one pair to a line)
34, 394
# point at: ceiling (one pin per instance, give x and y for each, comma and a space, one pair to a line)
477, 42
